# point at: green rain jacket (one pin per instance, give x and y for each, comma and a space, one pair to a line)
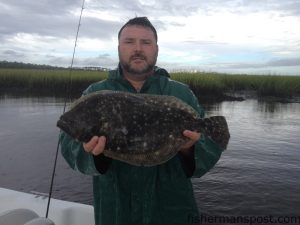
132, 195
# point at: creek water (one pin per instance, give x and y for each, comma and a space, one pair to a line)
258, 175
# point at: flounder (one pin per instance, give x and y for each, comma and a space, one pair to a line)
140, 129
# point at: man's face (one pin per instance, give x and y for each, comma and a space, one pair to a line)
137, 50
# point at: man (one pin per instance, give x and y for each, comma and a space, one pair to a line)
126, 194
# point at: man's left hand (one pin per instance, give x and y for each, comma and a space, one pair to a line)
193, 136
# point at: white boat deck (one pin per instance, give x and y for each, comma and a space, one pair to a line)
60, 212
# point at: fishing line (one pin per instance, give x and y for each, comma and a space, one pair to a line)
67, 96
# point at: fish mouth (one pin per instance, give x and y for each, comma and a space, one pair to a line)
63, 125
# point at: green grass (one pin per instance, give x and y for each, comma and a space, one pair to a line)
202, 83
55, 82
48, 82
263, 85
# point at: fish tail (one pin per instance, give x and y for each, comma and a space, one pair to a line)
217, 129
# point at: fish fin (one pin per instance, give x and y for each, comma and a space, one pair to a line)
217, 129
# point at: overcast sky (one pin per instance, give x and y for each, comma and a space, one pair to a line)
236, 36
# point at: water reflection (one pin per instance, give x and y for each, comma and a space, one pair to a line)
258, 173
276, 107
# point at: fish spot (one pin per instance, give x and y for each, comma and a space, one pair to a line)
124, 130
105, 125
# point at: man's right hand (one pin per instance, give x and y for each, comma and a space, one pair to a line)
95, 146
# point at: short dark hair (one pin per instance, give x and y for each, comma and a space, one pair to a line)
139, 21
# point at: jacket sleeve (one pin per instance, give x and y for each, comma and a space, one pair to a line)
76, 157
207, 154
206, 151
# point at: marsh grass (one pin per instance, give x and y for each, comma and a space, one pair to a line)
58, 82
48, 82
219, 84
202, 83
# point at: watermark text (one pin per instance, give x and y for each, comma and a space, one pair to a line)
249, 220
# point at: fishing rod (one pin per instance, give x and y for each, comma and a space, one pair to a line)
64, 109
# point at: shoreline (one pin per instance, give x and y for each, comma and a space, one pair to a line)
203, 98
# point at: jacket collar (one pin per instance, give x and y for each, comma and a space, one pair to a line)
117, 73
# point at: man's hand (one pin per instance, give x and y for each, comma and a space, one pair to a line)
193, 136
95, 146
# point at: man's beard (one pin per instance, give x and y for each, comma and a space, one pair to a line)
147, 68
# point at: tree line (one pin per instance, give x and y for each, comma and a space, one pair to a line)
21, 65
